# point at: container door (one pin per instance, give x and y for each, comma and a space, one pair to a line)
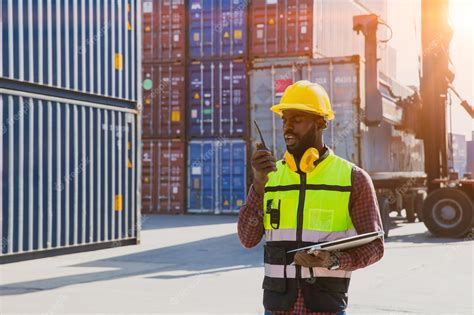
232, 102
265, 18
267, 86
201, 177
217, 99
164, 100
150, 24
201, 28
341, 82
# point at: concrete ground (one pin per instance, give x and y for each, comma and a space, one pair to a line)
195, 264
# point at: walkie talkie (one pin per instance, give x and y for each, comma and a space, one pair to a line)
261, 137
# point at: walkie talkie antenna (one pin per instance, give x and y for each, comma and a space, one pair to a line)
260, 133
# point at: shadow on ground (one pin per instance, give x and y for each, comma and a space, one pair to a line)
159, 221
420, 237
207, 256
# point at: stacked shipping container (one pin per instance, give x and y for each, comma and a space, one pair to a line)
215, 69
217, 105
68, 107
164, 114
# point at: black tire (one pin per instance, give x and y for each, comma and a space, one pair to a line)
448, 212
384, 208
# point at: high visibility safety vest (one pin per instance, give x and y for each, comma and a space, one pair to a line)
300, 210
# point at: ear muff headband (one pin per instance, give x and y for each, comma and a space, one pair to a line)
307, 164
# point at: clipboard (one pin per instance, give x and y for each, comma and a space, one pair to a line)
343, 243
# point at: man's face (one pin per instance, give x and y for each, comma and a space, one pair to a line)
300, 130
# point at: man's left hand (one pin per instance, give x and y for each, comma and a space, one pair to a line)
317, 259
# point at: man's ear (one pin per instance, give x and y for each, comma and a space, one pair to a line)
322, 124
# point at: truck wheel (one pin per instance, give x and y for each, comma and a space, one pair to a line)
448, 212
384, 207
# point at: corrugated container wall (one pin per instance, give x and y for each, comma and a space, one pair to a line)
68, 176
164, 179
217, 29
314, 28
268, 80
216, 175
164, 30
83, 45
376, 149
69, 167
307, 27
217, 99
381, 149
164, 97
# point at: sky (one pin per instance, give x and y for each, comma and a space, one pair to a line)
402, 17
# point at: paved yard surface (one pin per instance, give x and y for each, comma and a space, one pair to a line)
195, 264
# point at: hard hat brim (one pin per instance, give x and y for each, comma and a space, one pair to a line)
279, 108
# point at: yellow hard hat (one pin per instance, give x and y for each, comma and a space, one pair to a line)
306, 96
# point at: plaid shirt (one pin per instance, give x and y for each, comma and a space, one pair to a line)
365, 216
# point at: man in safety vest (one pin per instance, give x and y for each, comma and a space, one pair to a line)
309, 196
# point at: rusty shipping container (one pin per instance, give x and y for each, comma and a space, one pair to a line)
164, 97
164, 29
164, 184
314, 28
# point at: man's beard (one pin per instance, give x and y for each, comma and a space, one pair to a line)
308, 141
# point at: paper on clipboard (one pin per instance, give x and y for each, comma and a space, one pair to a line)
343, 243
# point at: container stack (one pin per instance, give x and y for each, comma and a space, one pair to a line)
285, 40
217, 105
201, 92
164, 115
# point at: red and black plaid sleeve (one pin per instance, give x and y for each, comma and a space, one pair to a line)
250, 224
365, 215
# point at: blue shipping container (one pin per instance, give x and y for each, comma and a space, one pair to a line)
217, 28
217, 99
82, 45
216, 175
68, 173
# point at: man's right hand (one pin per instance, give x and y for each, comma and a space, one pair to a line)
263, 163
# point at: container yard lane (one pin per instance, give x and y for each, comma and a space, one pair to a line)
195, 264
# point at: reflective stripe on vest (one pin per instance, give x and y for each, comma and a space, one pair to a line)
277, 271
311, 236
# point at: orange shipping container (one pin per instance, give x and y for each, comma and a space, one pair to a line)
305, 28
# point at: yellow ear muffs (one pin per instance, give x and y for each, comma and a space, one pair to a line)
307, 160
290, 161
310, 156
